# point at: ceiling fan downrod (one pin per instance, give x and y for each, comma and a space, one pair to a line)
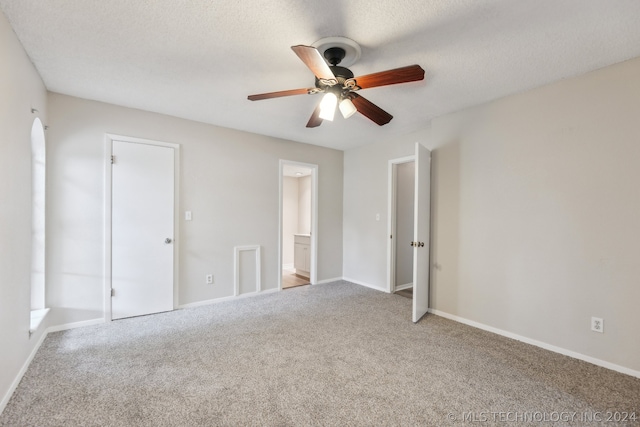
334, 55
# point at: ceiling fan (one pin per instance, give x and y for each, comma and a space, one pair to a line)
339, 84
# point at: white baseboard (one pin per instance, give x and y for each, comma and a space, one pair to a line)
550, 347
405, 286
25, 366
223, 299
321, 282
37, 316
252, 294
21, 373
74, 325
368, 285
303, 273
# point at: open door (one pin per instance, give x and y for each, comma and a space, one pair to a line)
421, 232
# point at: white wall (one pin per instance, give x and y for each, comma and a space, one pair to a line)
365, 195
224, 215
289, 217
535, 207
20, 90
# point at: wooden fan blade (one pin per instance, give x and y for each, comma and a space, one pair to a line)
370, 110
315, 120
411, 73
314, 61
270, 95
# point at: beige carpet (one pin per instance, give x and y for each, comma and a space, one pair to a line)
335, 354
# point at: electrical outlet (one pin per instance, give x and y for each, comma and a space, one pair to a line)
209, 279
597, 324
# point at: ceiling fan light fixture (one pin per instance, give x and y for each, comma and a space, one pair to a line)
328, 106
347, 108
339, 84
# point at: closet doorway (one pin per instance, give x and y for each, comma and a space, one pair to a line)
298, 219
416, 168
402, 209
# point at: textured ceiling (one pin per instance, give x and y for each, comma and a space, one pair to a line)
200, 59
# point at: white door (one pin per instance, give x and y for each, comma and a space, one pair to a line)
421, 232
142, 229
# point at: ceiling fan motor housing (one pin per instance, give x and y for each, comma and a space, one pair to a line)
334, 55
341, 74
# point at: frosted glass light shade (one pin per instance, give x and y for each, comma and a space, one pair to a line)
347, 108
328, 106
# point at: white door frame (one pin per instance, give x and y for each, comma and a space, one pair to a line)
391, 215
313, 273
108, 149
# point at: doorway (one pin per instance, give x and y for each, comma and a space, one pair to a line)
409, 241
402, 228
298, 222
140, 231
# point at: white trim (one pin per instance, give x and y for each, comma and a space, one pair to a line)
75, 325
405, 286
335, 279
108, 150
537, 343
391, 219
106, 226
280, 226
21, 373
314, 225
266, 291
314, 218
236, 265
25, 365
367, 285
36, 318
224, 299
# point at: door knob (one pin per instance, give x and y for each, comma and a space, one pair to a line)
421, 244
167, 240
413, 243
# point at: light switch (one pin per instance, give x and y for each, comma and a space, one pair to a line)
187, 216
377, 217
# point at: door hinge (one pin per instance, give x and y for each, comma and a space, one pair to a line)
113, 159
391, 236
113, 292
